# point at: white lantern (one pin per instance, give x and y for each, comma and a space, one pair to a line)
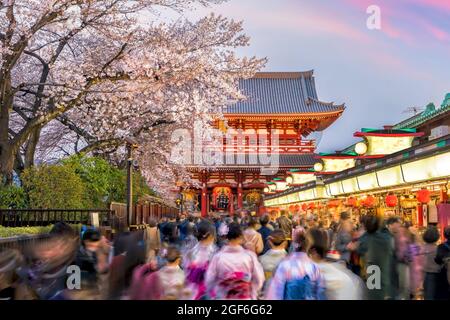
318, 166
266, 190
289, 179
361, 148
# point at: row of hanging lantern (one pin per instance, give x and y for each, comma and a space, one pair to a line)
391, 200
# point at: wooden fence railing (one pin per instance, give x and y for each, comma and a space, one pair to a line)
142, 213
43, 217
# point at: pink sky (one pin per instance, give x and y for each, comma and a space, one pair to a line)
377, 73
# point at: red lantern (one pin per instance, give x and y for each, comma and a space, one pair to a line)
423, 195
304, 207
291, 208
369, 201
297, 207
312, 206
391, 200
333, 203
351, 202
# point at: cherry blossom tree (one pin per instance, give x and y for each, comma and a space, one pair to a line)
81, 75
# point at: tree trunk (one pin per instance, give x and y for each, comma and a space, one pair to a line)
6, 165
6, 151
30, 149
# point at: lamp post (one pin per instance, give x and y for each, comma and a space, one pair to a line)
131, 144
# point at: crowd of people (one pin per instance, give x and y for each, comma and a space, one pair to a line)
276, 257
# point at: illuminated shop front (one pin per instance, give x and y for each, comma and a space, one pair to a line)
392, 185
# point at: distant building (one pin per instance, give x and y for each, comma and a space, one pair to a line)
281, 110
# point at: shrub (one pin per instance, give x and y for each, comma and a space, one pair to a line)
13, 197
53, 186
96, 174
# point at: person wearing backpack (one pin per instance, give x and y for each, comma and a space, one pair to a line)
234, 272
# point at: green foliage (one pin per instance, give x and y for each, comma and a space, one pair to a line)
96, 174
105, 183
19, 231
76, 182
13, 197
119, 186
54, 186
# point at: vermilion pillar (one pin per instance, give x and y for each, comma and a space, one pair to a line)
204, 200
231, 204
239, 191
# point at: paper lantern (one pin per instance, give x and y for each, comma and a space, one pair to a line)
369, 201
311, 205
361, 148
333, 203
318, 167
304, 207
423, 196
391, 200
291, 208
351, 202
297, 207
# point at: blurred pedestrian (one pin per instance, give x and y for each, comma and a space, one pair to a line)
297, 277
376, 248
152, 238
344, 237
252, 238
197, 259
285, 224
431, 269
340, 282
234, 272
272, 258
265, 231
443, 260
171, 277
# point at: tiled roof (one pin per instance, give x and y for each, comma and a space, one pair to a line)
422, 117
280, 93
284, 160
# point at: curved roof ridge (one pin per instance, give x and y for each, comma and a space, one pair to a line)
283, 74
330, 104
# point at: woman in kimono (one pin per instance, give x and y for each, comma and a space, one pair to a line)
234, 272
197, 259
